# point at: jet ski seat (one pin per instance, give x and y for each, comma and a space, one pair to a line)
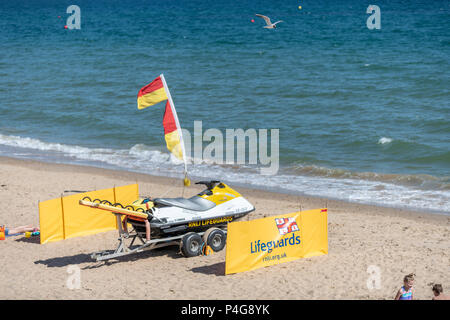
195, 203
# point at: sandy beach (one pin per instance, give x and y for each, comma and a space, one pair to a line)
396, 241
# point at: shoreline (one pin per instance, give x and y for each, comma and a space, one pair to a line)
262, 192
396, 241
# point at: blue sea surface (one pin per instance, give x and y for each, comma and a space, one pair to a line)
363, 115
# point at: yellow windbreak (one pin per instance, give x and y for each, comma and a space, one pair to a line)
64, 217
51, 220
264, 242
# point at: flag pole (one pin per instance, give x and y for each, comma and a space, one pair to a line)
172, 107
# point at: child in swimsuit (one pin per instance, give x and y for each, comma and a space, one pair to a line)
406, 292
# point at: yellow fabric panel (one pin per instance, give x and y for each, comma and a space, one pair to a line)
127, 195
173, 144
81, 220
152, 98
260, 243
314, 233
51, 221
64, 218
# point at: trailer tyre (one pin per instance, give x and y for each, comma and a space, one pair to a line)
215, 238
191, 244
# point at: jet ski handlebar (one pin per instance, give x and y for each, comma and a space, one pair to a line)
209, 184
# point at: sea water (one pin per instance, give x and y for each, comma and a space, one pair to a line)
363, 115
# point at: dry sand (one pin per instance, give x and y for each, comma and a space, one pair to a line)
398, 242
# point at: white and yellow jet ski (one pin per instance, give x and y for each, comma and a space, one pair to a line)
191, 223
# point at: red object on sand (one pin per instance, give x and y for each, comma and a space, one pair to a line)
2, 232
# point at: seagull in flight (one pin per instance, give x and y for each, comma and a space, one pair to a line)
269, 23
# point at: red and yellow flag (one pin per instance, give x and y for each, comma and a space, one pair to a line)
171, 133
151, 94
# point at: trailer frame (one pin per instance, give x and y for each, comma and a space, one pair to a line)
124, 250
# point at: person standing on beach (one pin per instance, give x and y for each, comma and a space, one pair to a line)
438, 292
406, 292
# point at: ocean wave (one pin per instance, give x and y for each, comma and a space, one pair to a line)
423, 181
411, 191
384, 140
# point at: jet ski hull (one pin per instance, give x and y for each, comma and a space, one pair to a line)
161, 230
174, 220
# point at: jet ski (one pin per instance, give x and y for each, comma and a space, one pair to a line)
195, 224
215, 206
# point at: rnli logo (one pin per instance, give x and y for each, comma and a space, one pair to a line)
286, 225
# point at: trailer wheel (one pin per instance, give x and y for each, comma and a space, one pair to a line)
191, 244
215, 238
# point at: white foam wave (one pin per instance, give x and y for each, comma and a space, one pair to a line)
384, 140
132, 158
142, 158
